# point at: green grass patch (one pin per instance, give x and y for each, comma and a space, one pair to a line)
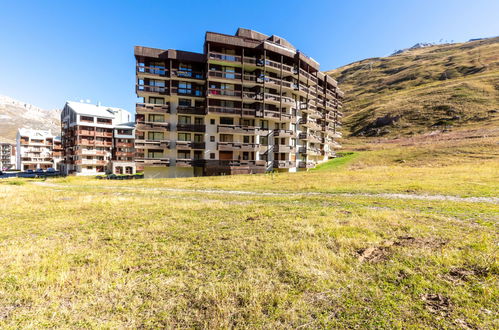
341, 161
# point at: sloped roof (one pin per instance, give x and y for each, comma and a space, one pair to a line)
93, 109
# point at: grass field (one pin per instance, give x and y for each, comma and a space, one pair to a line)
168, 253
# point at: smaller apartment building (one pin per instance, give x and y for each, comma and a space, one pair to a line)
97, 139
7, 156
38, 149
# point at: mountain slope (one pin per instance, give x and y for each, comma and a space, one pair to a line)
16, 114
422, 89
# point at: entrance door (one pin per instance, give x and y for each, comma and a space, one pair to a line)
226, 155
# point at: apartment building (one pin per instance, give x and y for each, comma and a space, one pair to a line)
37, 149
7, 156
97, 140
249, 103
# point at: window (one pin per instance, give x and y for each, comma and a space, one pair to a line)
184, 136
212, 121
184, 87
246, 139
198, 138
152, 153
293, 142
264, 140
226, 138
184, 119
156, 100
245, 155
264, 124
212, 155
229, 72
212, 138
157, 118
184, 102
183, 154
155, 135
157, 83
86, 118
229, 87
198, 120
226, 121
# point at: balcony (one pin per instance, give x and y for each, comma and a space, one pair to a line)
236, 129
156, 71
91, 152
152, 89
188, 74
224, 75
183, 162
152, 126
153, 161
283, 148
310, 151
190, 145
220, 109
284, 164
191, 127
191, 110
223, 92
235, 163
310, 124
145, 143
237, 146
152, 108
224, 57
278, 66
124, 154
91, 162
124, 145
284, 133
306, 164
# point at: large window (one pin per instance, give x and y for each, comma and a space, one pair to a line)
184, 87
226, 138
184, 136
198, 138
183, 154
156, 100
155, 135
157, 118
229, 72
151, 153
198, 120
184, 119
184, 102
226, 121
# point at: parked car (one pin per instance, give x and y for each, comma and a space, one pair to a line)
30, 171
50, 170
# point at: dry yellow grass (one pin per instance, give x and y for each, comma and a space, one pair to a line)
80, 253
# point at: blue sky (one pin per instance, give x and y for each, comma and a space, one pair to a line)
53, 51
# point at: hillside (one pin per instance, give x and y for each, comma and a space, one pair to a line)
16, 114
429, 88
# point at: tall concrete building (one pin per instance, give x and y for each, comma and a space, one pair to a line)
97, 140
249, 103
37, 149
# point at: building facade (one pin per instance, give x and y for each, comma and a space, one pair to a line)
249, 104
96, 140
7, 156
37, 149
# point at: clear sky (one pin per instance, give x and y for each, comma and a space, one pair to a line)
53, 51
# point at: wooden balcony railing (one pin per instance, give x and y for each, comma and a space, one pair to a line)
191, 110
235, 146
191, 127
155, 108
224, 92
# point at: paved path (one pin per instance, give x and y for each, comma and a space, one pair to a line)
493, 200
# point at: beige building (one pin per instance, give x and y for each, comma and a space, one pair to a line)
97, 140
37, 149
249, 103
